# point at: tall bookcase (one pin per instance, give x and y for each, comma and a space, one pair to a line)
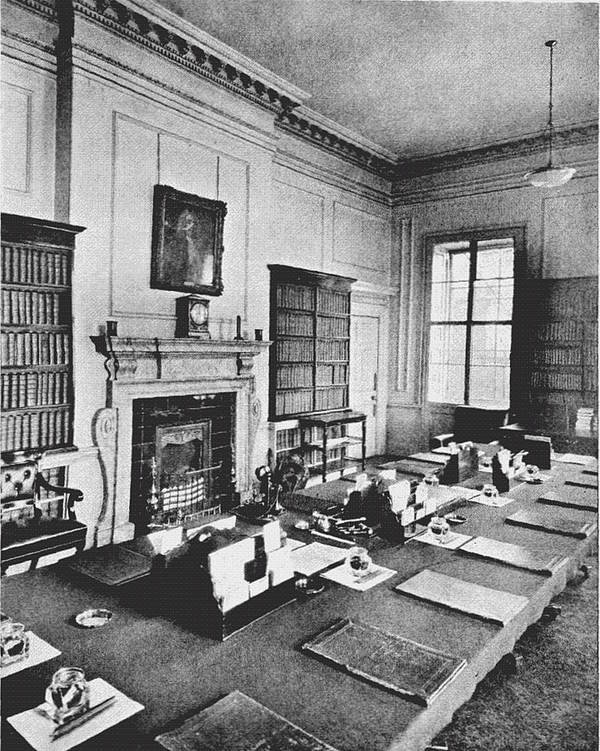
310, 330
564, 345
36, 335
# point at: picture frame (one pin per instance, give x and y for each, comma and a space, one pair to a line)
187, 242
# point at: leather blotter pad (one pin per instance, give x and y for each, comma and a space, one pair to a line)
556, 524
112, 565
488, 604
238, 723
585, 501
414, 671
512, 555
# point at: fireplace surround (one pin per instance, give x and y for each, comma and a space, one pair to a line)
177, 371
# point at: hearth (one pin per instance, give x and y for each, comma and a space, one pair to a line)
182, 458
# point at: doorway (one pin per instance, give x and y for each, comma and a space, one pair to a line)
364, 374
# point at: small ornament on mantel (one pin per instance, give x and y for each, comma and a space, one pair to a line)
238, 329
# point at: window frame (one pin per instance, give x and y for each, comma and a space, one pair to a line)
518, 321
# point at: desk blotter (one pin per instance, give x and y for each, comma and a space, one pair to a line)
571, 499
414, 671
513, 555
559, 525
112, 565
239, 723
488, 604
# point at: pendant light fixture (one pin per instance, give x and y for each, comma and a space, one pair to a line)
550, 176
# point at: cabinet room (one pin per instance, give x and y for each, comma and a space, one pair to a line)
299, 375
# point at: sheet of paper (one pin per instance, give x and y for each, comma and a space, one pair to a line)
498, 502
574, 459
453, 539
36, 728
315, 557
342, 575
39, 651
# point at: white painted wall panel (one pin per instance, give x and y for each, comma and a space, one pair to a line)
298, 226
570, 245
16, 137
28, 126
360, 239
135, 174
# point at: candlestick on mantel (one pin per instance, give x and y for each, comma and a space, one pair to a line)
238, 328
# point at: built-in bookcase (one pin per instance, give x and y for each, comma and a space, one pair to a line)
36, 336
310, 330
564, 350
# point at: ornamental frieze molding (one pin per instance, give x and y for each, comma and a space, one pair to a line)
318, 136
579, 135
152, 35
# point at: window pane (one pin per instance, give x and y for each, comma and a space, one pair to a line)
447, 364
493, 300
449, 301
449, 265
489, 374
495, 258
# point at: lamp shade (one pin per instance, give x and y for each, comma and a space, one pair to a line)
550, 176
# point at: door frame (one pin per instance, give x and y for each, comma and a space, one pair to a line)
373, 301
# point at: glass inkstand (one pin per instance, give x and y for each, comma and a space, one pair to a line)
14, 642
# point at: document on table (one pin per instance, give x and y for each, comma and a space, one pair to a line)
574, 459
310, 559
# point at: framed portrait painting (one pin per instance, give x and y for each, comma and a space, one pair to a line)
187, 242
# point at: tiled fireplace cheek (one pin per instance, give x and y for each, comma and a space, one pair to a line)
148, 414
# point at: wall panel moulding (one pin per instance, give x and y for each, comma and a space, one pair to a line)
161, 32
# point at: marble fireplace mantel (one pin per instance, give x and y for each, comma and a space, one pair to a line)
137, 359
147, 368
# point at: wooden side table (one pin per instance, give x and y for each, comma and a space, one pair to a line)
325, 422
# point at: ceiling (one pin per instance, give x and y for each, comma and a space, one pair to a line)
420, 78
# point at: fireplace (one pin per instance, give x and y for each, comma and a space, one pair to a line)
182, 458
180, 412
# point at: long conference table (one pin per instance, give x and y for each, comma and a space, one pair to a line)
175, 673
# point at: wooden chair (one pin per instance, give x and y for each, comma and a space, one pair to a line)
478, 424
38, 519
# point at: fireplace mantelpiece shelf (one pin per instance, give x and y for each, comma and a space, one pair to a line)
135, 358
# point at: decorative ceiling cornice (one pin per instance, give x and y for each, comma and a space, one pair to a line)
153, 35
578, 135
325, 139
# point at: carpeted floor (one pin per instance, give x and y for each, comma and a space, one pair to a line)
551, 703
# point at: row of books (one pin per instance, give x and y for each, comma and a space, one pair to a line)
288, 438
34, 389
20, 306
332, 350
294, 376
293, 402
333, 327
34, 348
295, 324
295, 296
590, 379
557, 356
294, 350
329, 301
329, 375
331, 398
25, 264
35, 429
557, 381
560, 332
